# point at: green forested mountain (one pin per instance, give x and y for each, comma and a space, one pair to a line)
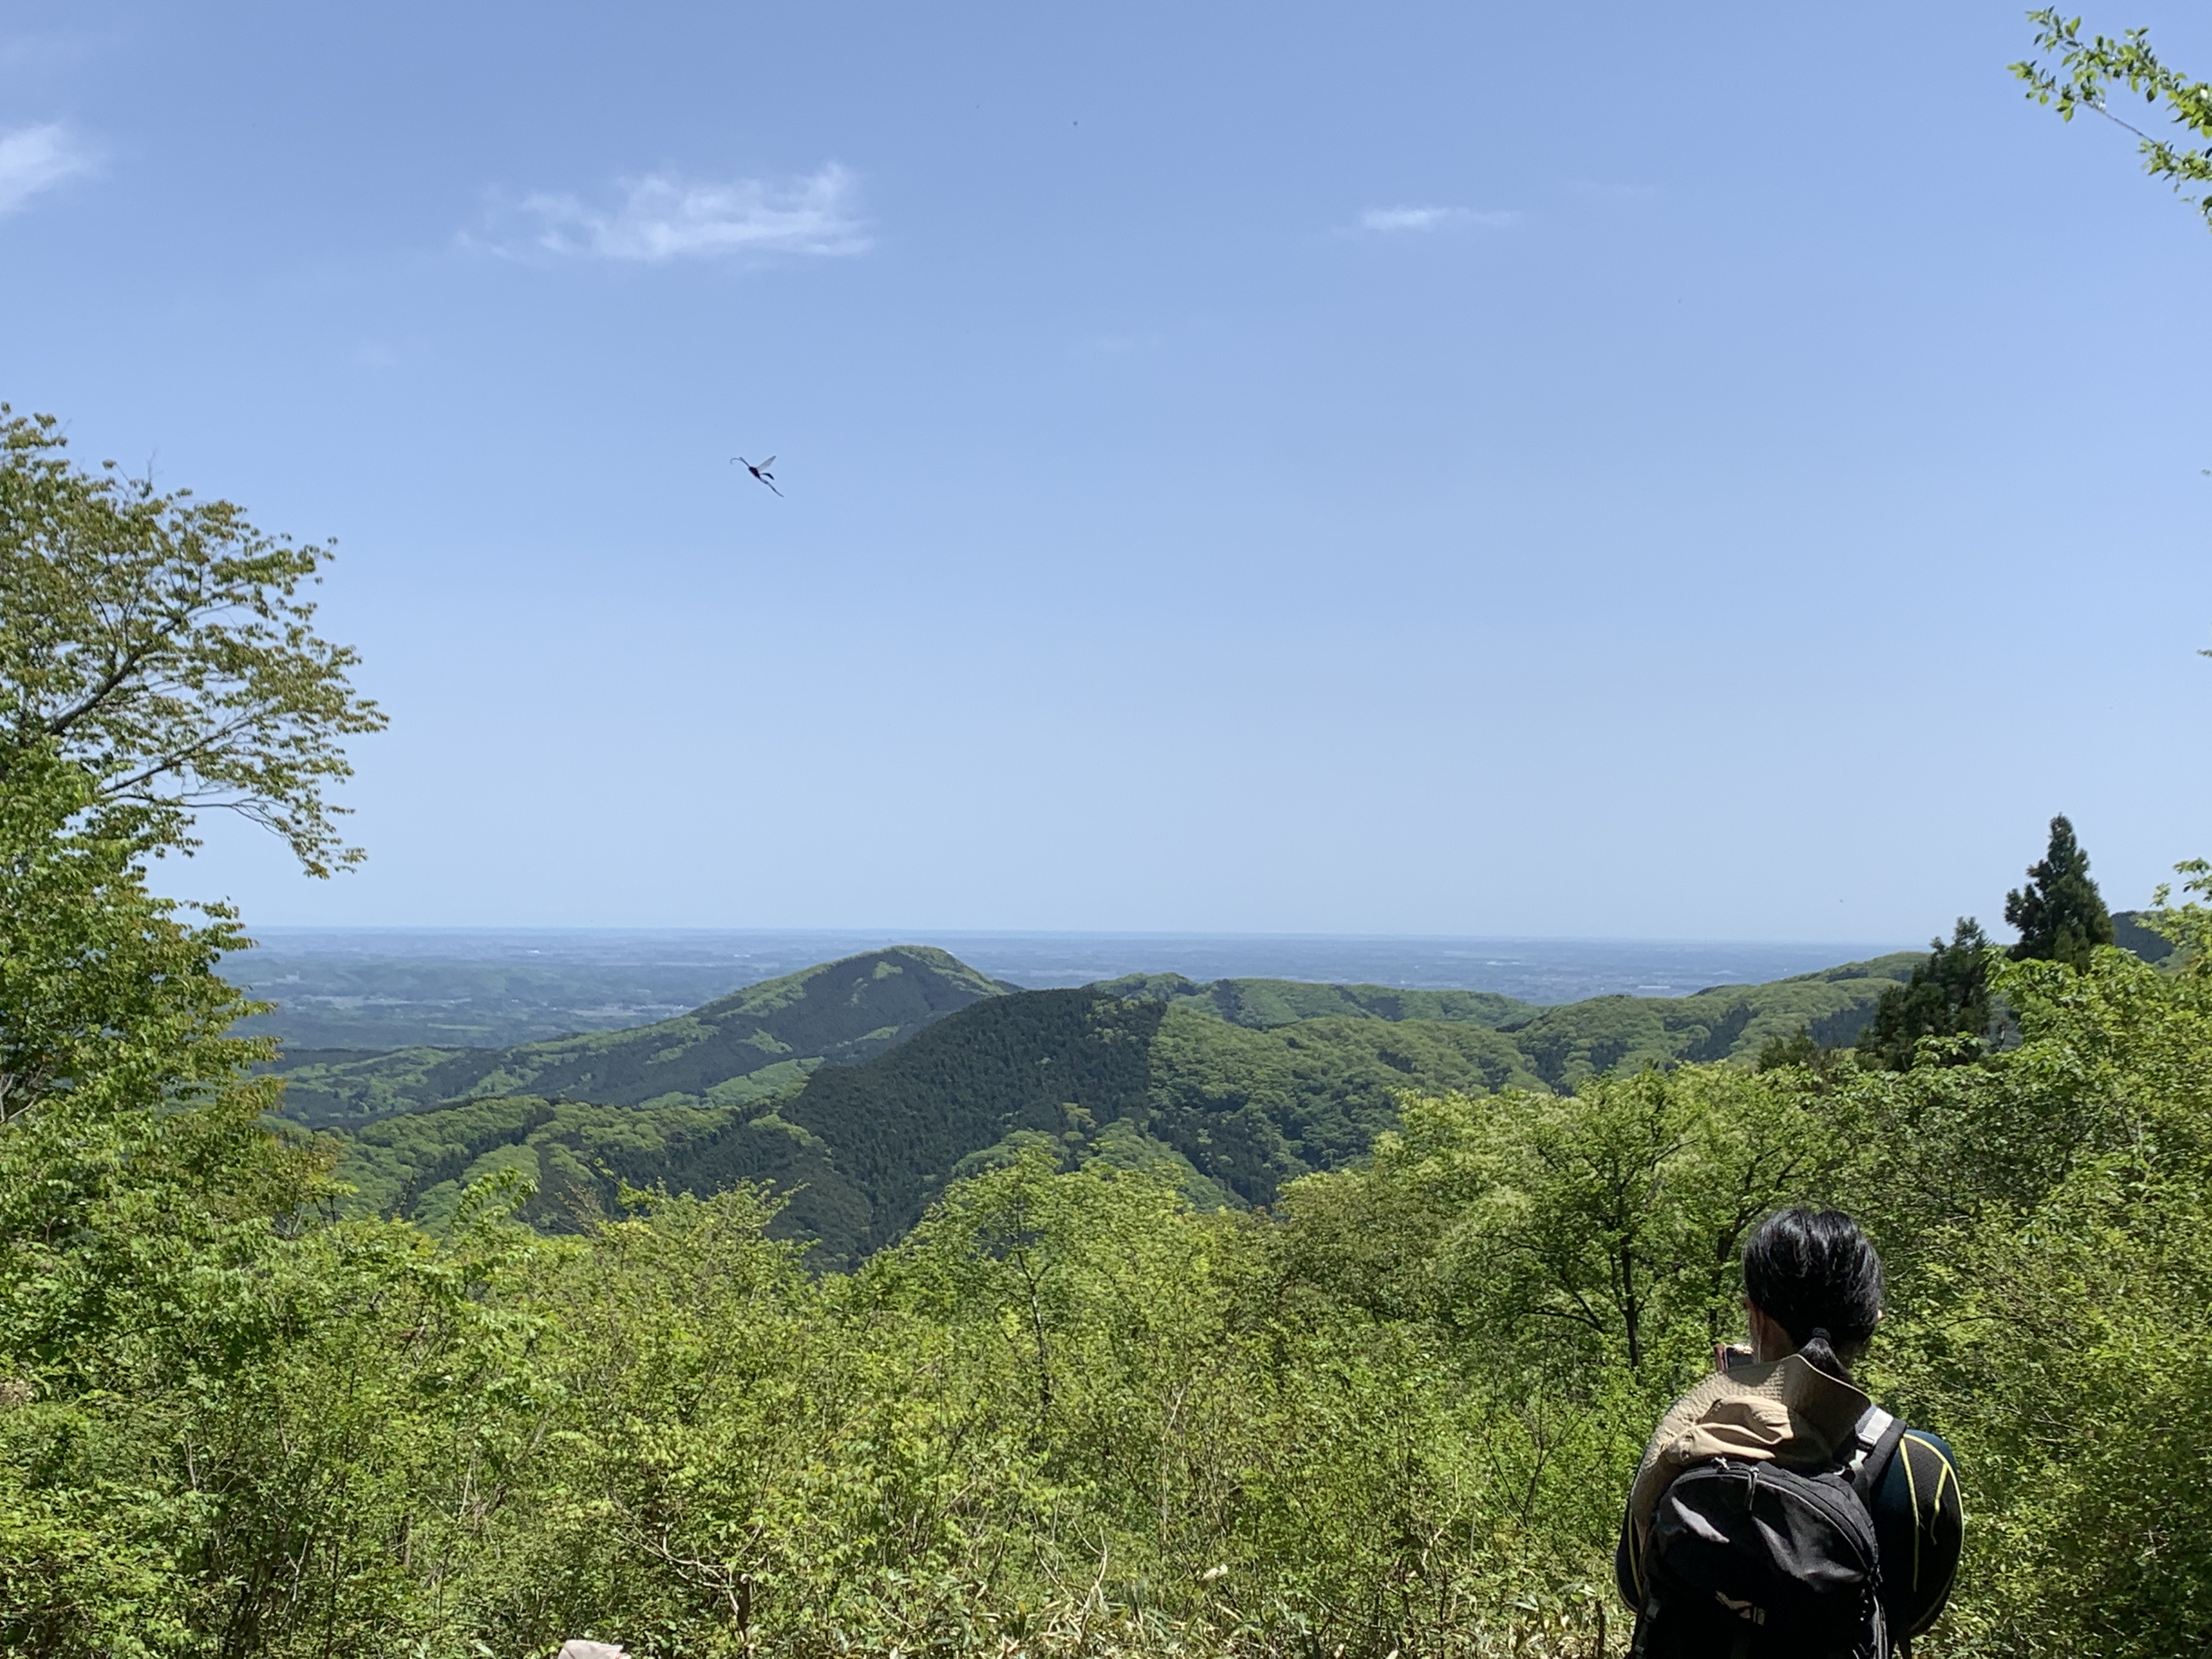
1262, 1003
1575, 1040
1234, 1088
749, 1045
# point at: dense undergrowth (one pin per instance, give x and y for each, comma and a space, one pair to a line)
1069, 1414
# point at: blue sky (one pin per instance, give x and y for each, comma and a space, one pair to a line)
1579, 470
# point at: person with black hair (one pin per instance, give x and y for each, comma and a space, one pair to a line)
1777, 1509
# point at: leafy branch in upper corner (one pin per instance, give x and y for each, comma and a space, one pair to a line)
161, 644
2087, 72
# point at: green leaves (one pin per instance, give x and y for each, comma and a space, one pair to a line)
1070, 1414
2049, 1312
2087, 74
164, 647
107, 995
1578, 1233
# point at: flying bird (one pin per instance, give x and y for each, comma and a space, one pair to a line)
761, 471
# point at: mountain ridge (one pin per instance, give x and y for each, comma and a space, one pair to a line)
756, 1043
1232, 1088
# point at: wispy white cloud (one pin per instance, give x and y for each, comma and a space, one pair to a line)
35, 159
1387, 220
660, 217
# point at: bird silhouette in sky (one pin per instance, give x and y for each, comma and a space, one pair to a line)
761, 471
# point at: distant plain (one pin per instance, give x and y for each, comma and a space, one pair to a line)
372, 988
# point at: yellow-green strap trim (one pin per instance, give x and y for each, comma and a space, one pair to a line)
1913, 1497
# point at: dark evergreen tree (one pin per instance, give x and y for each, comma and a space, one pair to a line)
2060, 913
1948, 996
1798, 1049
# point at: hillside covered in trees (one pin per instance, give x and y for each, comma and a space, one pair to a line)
858, 1090
754, 1044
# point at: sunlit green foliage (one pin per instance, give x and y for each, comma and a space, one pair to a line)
1580, 1233
163, 646
2089, 72
106, 994
1071, 1413
2048, 1212
155, 1287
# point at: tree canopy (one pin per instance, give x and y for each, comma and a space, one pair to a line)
109, 996
163, 646
1947, 997
2060, 913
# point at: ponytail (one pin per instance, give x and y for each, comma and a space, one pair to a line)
1819, 1351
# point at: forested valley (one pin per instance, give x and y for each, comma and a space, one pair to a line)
879, 1309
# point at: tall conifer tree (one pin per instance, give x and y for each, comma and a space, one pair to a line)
1949, 996
2060, 913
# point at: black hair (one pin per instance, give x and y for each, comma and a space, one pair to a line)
1816, 1274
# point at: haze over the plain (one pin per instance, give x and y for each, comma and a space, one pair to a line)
1578, 470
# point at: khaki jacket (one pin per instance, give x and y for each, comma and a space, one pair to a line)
1785, 1412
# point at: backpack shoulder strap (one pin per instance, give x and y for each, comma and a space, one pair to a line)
1874, 1443
1875, 1439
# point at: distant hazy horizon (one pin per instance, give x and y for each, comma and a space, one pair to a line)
1555, 969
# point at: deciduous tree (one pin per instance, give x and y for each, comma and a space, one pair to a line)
163, 645
108, 995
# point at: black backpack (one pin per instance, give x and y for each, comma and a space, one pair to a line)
1751, 1557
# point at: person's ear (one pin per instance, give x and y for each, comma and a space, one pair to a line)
1769, 1340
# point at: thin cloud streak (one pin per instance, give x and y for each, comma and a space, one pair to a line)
661, 217
36, 159
1390, 220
